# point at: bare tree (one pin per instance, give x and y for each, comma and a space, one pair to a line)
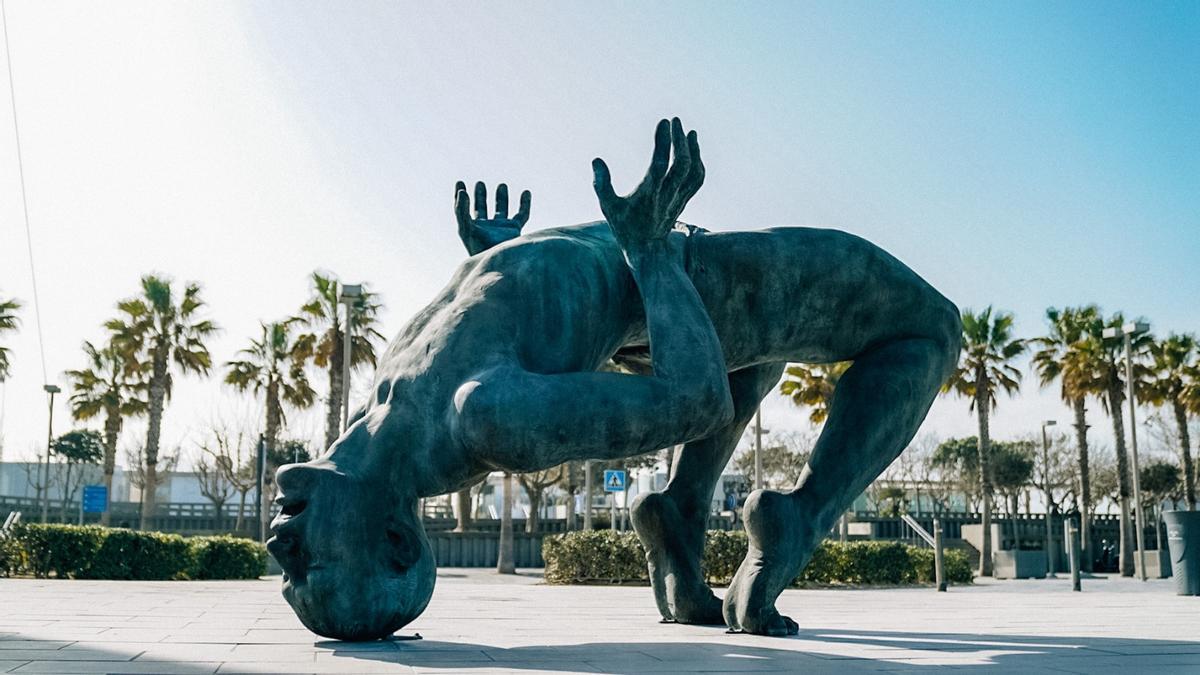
782, 460
535, 485
160, 471
214, 484
39, 477
232, 454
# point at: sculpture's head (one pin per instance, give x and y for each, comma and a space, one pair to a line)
356, 562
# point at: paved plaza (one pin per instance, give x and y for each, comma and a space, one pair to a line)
479, 622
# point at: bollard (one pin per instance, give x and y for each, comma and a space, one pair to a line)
939, 571
1071, 539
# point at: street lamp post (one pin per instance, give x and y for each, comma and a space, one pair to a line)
1128, 331
1046, 489
758, 469
52, 390
350, 293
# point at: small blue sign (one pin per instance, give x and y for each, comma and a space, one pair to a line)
95, 499
614, 480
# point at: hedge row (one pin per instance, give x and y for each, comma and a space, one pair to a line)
93, 552
618, 557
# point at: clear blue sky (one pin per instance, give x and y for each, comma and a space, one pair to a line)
1016, 154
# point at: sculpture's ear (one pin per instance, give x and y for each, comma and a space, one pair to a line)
404, 546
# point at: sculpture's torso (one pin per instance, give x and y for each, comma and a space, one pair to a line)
563, 300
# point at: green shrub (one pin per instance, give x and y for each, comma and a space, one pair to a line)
617, 557
144, 556
10, 556
62, 550
594, 556
723, 551
92, 552
225, 557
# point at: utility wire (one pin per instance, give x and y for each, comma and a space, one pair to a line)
37, 308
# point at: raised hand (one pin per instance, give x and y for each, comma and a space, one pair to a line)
480, 233
650, 211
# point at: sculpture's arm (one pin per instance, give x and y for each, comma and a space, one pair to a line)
518, 419
480, 233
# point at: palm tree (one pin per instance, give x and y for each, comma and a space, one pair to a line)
813, 386
1191, 400
274, 366
113, 384
321, 314
1062, 357
162, 332
9, 321
1103, 357
984, 369
1173, 370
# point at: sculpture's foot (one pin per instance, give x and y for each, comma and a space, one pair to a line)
781, 541
673, 545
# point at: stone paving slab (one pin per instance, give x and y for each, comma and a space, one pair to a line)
479, 622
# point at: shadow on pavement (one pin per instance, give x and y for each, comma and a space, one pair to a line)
813, 650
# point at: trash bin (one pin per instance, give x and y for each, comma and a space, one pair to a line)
1183, 537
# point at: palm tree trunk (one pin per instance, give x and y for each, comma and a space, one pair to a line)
158, 396
1185, 455
333, 409
274, 422
241, 516
1085, 484
462, 500
985, 479
504, 559
1115, 399
112, 429
535, 506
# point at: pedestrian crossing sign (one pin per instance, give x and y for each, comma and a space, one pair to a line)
614, 480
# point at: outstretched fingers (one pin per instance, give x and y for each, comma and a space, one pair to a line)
480, 201
682, 166
602, 183
462, 210
522, 216
690, 182
502, 202
660, 160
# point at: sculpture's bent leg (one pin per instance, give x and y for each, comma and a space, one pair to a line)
672, 524
876, 409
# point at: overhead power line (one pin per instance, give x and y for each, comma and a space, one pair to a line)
37, 307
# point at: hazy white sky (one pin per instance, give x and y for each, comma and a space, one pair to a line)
1017, 155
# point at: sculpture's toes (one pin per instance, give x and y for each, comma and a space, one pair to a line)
745, 615
704, 609
777, 543
777, 625
679, 588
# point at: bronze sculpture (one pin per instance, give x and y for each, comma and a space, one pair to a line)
499, 373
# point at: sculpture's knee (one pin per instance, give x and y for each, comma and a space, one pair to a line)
947, 332
708, 409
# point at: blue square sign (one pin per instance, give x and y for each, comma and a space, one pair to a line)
614, 480
95, 499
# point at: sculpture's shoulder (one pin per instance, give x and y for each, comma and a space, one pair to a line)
571, 244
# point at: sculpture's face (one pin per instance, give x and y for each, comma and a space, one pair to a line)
356, 563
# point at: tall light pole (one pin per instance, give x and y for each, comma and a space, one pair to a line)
758, 470
52, 390
1046, 489
1128, 331
350, 293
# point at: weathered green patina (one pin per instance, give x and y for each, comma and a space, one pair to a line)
499, 372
